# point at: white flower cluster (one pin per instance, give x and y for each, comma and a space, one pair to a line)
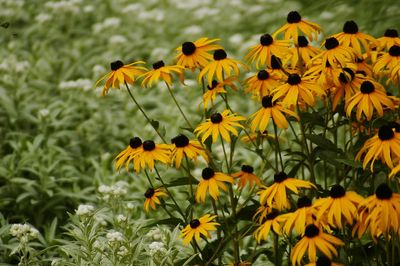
85, 84
14, 65
117, 39
117, 190
156, 247
115, 236
107, 23
155, 234
64, 6
24, 232
84, 210
43, 17
43, 112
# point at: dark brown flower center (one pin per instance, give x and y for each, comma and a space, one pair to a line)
323, 261
391, 33
247, 169
266, 40
294, 79
262, 75
149, 193
194, 223
220, 54
267, 101
331, 43
280, 177
214, 84
350, 27
180, 141
383, 192
302, 41
158, 64
337, 191
216, 118
394, 50
385, 132
303, 202
311, 231
188, 48
276, 62
345, 78
149, 145
395, 126
135, 142
367, 87
116, 65
207, 173
272, 215
293, 17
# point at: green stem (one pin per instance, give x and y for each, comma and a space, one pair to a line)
143, 112
191, 186
179, 107
278, 146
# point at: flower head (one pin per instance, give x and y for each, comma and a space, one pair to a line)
127, 155
219, 124
246, 176
217, 88
182, 147
199, 227
272, 222
195, 54
390, 38
148, 153
211, 182
262, 83
302, 52
121, 74
151, 196
389, 62
335, 54
161, 72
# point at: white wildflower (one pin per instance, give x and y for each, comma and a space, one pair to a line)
236, 39
43, 17
84, 209
115, 236
88, 9
121, 218
156, 247
192, 30
43, 112
24, 232
132, 8
21, 66
130, 205
122, 251
117, 39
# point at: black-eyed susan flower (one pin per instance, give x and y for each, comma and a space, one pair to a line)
362, 224
261, 213
246, 176
126, 156
383, 210
261, 53
323, 261
296, 24
335, 54
390, 63
219, 124
217, 88
384, 146
394, 171
149, 153
346, 85
372, 96
152, 198
196, 54
339, 208
272, 222
161, 72
325, 75
120, 74
351, 37
218, 68
211, 182
302, 52
198, 227
363, 67
271, 109
300, 218
276, 68
262, 83
276, 194
259, 137
314, 240
297, 90
182, 147
390, 38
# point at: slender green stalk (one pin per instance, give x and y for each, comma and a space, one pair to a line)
278, 146
179, 107
191, 186
143, 112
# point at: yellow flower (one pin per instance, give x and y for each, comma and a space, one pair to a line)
219, 124
259, 137
302, 52
323, 261
325, 75
338, 207
314, 239
211, 182
272, 110
152, 198
246, 176
149, 153
296, 24
395, 171
126, 156
261, 213
390, 38
262, 83
194, 55
216, 88
335, 54
199, 227
222, 65
297, 90
161, 72
272, 223
184, 147
276, 193
371, 96
384, 146
261, 53
120, 74
383, 210
351, 37
389, 62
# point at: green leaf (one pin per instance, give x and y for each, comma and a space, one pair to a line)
352, 163
169, 221
182, 181
322, 142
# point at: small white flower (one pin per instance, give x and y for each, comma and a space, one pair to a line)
103, 189
84, 209
21, 66
132, 8
192, 30
88, 9
115, 236
111, 22
122, 251
44, 112
156, 247
117, 39
43, 17
130, 205
121, 218
236, 39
